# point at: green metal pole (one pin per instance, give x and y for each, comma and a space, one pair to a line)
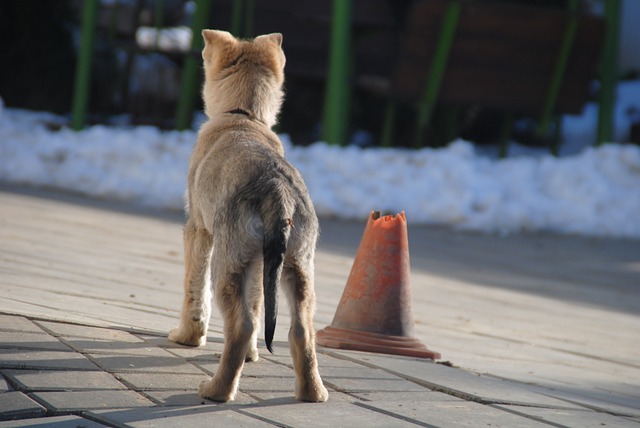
436, 71
388, 124
609, 72
83, 65
159, 6
505, 134
190, 79
335, 117
236, 18
560, 67
555, 142
248, 18
242, 18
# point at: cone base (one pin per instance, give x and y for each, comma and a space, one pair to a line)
353, 340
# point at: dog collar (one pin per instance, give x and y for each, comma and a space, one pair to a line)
239, 111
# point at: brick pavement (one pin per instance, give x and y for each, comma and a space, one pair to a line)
64, 374
88, 293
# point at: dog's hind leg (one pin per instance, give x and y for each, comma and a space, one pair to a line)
253, 300
297, 280
238, 330
196, 307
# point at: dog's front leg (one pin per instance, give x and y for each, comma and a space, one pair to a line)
196, 308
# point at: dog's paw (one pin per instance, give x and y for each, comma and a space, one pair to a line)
189, 338
209, 389
252, 355
315, 393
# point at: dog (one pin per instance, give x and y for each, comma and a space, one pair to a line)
250, 218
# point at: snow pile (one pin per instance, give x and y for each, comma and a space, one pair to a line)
140, 164
595, 192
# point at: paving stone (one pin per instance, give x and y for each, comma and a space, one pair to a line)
14, 405
324, 360
155, 364
366, 379
403, 396
262, 383
254, 368
359, 372
98, 346
191, 398
19, 324
213, 346
68, 380
69, 421
327, 360
263, 367
452, 414
29, 340
280, 347
357, 385
212, 355
197, 354
208, 367
73, 330
199, 416
598, 399
164, 381
458, 382
214, 337
293, 413
281, 396
4, 386
289, 397
570, 417
71, 401
31, 359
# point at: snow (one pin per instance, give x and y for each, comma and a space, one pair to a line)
581, 129
166, 39
590, 193
595, 191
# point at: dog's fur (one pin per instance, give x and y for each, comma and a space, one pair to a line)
249, 217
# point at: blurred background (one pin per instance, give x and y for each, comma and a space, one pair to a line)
408, 73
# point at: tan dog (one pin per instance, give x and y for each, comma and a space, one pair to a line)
250, 218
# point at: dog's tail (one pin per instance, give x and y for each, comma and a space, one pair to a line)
277, 230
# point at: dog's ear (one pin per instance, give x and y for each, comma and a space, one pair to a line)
273, 38
215, 42
273, 42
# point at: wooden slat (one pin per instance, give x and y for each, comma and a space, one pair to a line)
502, 57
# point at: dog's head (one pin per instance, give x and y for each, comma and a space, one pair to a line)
246, 74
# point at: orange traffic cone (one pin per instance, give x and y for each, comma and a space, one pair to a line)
374, 313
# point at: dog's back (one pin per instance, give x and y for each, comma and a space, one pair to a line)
253, 201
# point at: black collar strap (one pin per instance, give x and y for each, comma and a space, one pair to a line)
239, 111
